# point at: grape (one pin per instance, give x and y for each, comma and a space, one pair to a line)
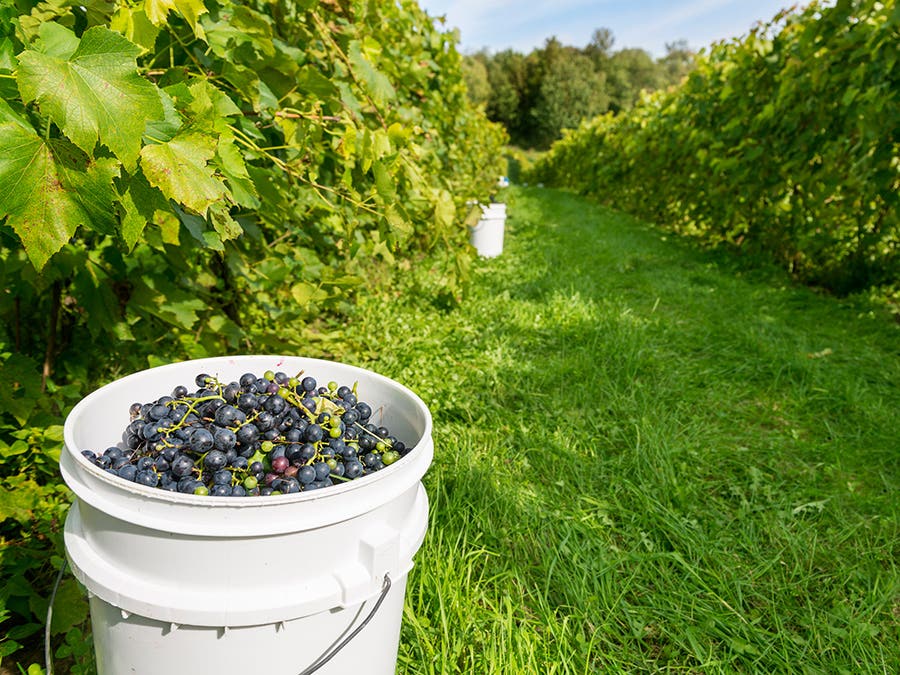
248, 434
322, 470
182, 466
222, 477
201, 441
157, 412
148, 478
128, 472
314, 433
214, 460
248, 401
226, 415
224, 440
208, 442
353, 468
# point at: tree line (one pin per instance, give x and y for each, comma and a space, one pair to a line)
555, 87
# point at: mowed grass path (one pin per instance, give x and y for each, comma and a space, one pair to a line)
648, 459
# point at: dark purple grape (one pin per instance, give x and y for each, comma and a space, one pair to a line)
181, 467
248, 434
248, 402
226, 415
224, 440
231, 391
201, 441
222, 477
353, 468
148, 478
128, 472
322, 470
313, 433
214, 460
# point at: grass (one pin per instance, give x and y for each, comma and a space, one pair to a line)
648, 459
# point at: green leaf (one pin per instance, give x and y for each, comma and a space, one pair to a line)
444, 210
384, 183
22, 391
158, 11
134, 24
49, 188
224, 224
7, 114
18, 499
70, 607
377, 84
140, 202
96, 94
209, 107
56, 40
180, 169
231, 163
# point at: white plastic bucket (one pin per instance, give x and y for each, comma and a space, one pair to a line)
189, 584
487, 234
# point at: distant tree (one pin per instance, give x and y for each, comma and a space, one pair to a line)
599, 49
678, 61
569, 91
554, 87
507, 75
476, 77
630, 72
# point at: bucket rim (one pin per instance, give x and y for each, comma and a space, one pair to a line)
422, 446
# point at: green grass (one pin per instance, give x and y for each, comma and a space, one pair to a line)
648, 459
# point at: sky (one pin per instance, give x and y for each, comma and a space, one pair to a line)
524, 25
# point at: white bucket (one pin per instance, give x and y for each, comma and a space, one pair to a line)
487, 234
189, 584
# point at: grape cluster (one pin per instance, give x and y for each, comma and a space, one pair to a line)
266, 435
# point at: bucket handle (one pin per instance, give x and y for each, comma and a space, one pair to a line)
328, 655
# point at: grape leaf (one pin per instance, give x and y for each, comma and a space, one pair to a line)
22, 391
140, 203
96, 93
49, 188
134, 24
231, 164
158, 10
180, 169
377, 83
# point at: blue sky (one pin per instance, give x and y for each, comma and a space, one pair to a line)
523, 25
